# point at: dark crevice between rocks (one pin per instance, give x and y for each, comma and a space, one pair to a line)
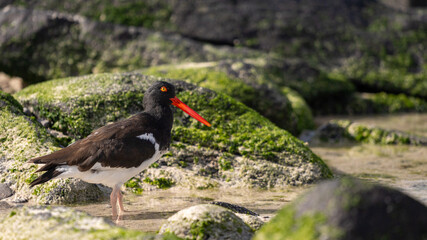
209, 41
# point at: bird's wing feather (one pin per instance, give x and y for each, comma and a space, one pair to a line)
111, 145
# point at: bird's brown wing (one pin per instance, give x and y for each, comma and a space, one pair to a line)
112, 145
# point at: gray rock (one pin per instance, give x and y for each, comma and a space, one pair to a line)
251, 218
5, 191
349, 209
208, 222
4, 205
69, 191
254, 222
341, 131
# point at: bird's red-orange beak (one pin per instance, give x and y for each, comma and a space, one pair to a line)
178, 103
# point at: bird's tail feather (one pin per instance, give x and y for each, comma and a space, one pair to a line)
50, 174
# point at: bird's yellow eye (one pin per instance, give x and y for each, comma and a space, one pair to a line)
163, 89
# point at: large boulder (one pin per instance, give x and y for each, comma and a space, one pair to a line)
23, 138
246, 81
241, 148
349, 209
208, 222
57, 223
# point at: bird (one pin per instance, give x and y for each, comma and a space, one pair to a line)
114, 153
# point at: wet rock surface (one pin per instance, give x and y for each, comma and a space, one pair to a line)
5, 191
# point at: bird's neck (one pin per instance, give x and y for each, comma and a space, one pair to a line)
163, 114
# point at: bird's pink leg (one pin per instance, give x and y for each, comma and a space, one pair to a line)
113, 201
120, 200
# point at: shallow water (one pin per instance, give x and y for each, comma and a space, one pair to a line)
402, 167
150, 210
399, 166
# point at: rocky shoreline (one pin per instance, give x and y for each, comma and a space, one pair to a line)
260, 71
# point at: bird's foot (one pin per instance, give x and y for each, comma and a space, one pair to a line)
116, 219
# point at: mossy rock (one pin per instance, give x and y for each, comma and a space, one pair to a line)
392, 58
38, 45
23, 138
247, 83
368, 103
207, 221
239, 136
342, 130
349, 209
65, 223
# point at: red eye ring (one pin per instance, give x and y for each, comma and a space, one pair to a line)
163, 89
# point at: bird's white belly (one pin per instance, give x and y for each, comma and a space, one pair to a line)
109, 176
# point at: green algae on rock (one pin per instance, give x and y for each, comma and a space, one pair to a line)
251, 144
207, 221
367, 103
338, 130
245, 81
23, 138
340, 209
57, 223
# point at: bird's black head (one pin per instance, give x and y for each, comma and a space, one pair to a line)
159, 93
162, 94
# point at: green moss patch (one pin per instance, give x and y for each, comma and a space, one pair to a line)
290, 113
287, 225
162, 183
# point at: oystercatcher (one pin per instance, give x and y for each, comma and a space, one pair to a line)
113, 154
